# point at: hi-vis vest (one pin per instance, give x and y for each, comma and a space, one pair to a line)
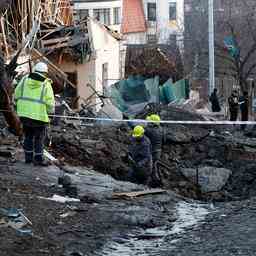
34, 99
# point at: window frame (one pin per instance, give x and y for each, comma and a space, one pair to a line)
105, 12
79, 13
172, 6
149, 8
117, 15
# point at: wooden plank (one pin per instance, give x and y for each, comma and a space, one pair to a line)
48, 32
4, 37
56, 40
54, 67
131, 195
56, 46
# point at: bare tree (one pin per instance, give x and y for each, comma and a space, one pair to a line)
235, 19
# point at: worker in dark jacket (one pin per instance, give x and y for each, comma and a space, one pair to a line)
155, 134
215, 101
35, 100
140, 156
244, 107
233, 105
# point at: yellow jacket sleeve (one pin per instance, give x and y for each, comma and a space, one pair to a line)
17, 92
49, 97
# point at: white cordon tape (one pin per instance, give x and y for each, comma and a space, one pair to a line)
162, 122
139, 121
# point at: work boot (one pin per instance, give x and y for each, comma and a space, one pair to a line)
41, 163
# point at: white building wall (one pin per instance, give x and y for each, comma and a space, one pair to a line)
163, 28
136, 38
102, 5
84, 73
107, 50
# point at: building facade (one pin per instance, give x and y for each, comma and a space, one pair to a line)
107, 12
98, 68
140, 21
156, 21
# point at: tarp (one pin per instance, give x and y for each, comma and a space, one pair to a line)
134, 91
131, 95
174, 92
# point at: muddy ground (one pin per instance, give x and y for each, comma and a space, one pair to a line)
101, 225
105, 148
90, 223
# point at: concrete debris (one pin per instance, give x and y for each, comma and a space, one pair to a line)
68, 214
210, 179
109, 111
49, 156
61, 199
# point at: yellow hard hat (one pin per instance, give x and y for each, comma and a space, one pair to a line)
148, 118
138, 131
155, 118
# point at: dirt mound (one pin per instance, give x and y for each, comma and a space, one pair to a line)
104, 149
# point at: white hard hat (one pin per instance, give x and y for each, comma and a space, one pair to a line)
41, 67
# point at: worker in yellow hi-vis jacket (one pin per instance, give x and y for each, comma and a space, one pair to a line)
34, 101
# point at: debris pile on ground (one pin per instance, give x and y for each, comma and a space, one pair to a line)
215, 158
65, 226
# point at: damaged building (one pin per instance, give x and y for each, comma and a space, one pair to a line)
88, 53
78, 53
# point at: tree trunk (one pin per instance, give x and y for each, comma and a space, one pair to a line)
6, 91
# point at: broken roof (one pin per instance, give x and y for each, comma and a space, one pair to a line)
154, 60
133, 17
68, 40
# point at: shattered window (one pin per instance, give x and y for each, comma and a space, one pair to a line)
102, 15
172, 11
152, 11
117, 15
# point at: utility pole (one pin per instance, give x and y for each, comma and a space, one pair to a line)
211, 47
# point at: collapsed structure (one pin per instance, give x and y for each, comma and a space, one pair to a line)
77, 53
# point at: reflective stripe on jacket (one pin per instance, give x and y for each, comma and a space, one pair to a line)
34, 98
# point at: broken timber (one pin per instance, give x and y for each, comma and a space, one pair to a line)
130, 195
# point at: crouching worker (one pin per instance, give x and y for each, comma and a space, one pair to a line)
140, 157
34, 101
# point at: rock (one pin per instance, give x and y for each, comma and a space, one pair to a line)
200, 148
212, 153
109, 111
190, 173
178, 134
210, 179
212, 162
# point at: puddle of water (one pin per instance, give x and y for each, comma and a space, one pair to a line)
153, 241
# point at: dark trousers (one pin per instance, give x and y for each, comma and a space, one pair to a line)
233, 115
141, 174
156, 155
244, 117
34, 143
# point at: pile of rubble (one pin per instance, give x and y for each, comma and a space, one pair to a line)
198, 162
